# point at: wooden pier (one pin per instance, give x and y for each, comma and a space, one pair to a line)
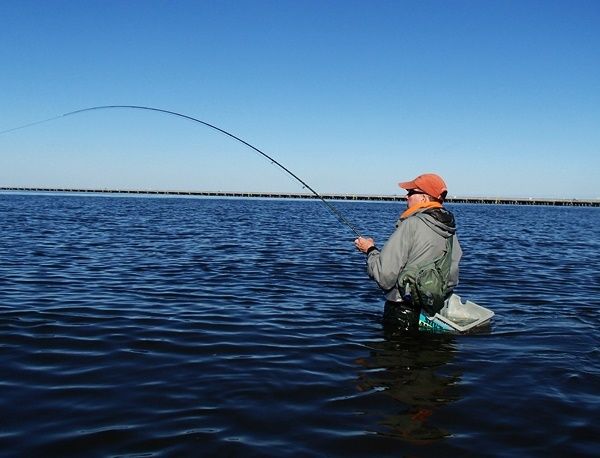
278, 195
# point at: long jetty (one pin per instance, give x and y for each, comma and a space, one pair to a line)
281, 195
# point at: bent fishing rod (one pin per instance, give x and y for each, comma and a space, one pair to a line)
329, 205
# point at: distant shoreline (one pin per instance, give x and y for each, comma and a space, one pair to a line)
282, 195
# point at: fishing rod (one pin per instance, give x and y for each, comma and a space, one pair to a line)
329, 205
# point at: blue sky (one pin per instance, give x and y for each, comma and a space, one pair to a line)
501, 98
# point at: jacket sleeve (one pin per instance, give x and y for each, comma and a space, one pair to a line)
384, 266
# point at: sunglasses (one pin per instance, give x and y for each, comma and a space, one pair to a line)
411, 192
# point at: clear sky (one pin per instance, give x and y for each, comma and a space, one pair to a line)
501, 98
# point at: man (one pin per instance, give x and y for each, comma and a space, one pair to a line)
420, 237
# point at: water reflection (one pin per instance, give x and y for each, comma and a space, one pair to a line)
413, 370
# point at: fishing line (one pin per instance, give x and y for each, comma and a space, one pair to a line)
330, 206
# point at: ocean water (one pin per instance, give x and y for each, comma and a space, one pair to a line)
150, 327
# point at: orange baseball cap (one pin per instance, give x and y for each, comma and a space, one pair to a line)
429, 183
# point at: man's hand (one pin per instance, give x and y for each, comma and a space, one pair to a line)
363, 244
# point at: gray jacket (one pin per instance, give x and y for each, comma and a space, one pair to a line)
417, 240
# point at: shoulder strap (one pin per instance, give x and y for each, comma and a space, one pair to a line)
447, 256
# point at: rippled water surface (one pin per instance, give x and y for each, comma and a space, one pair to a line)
206, 327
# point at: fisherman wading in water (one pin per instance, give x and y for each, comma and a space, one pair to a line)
424, 239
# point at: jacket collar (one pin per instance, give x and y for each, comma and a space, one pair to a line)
421, 206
